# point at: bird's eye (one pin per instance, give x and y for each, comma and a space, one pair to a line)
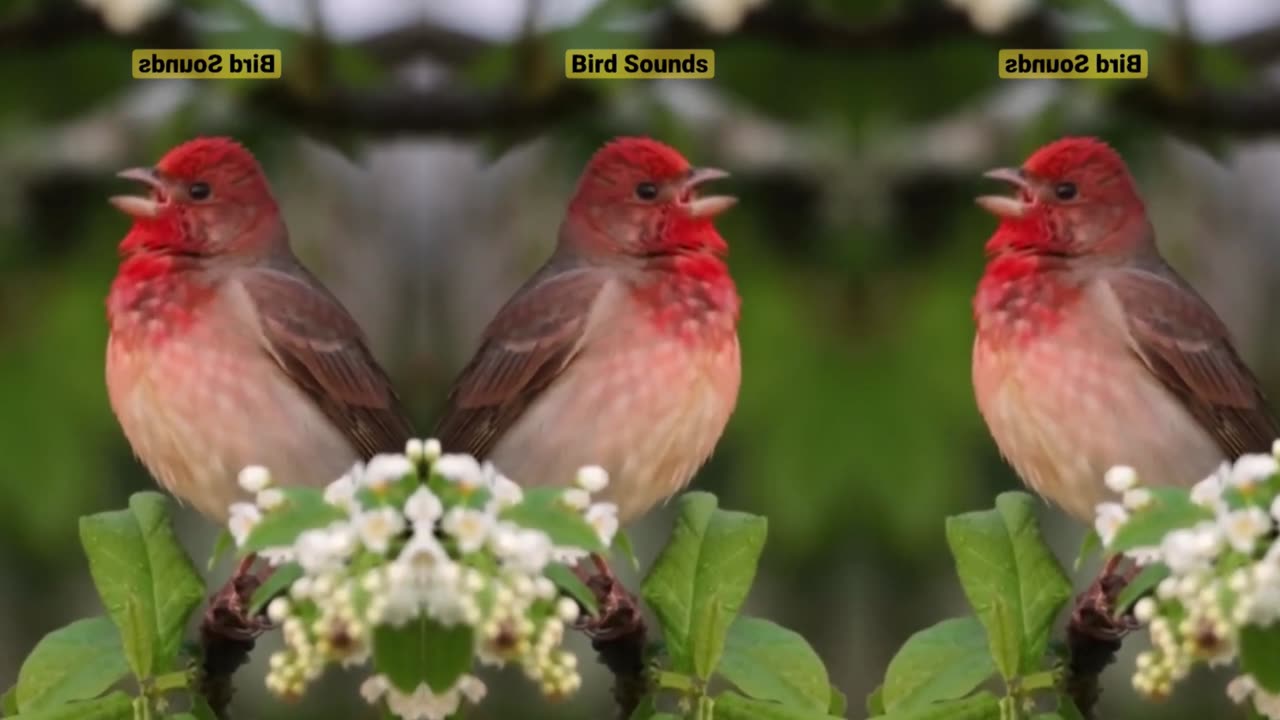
1065, 190
646, 191
199, 191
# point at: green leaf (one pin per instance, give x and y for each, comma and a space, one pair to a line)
279, 581
421, 651
622, 543
1148, 578
839, 705
875, 701
9, 702
982, 706
769, 662
1260, 654
224, 544
75, 662
701, 578
303, 509
147, 583
732, 706
564, 579
542, 509
1170, 509
116, 706
1011, 579
943, 662
1091, 544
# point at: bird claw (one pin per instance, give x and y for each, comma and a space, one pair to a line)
227, 616
1095, 614
618, 612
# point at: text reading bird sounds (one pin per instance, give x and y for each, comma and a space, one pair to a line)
1079, 64
206, 64
633, 64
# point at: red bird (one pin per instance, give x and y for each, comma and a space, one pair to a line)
224, 350
622, 350
1091, 351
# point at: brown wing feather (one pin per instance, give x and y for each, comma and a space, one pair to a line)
322, 349
1188, 348
530, 342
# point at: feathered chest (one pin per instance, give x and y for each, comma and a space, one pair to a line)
694, 308
155, 297
1022, 297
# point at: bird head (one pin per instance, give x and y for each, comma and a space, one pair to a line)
1073, 197
639, 197
207, 197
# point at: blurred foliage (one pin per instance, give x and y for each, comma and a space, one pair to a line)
856, 430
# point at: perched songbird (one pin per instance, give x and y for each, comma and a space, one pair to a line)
622, 350
224, 350
1091, 351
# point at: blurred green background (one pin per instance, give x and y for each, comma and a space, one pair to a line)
423, 153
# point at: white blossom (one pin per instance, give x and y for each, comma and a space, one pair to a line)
604, 518
127, 16
720, 16
341, 493
377, 527
592, 478
423, 704
1242, 528
1137, 498
374, 687
254, 478
329, 614
469, 527
1110, 517
423, 508
270, 498
1240, 688
506, 493
384, 469
243, 518
993, 16
461, 469
1249, 470
1120, 478
576, 499
1208, 492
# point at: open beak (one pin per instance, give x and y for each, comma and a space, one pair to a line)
1003, 205
711, 205
138, 206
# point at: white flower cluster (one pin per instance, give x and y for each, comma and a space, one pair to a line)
1224, 573
422, 536
993, 16
721, 16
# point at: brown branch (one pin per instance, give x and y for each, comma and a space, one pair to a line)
1094, 635
227, 636
618, 634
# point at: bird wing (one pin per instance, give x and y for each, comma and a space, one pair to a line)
322, 350
530, 342
1184, 344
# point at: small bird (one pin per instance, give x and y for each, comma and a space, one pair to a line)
622, 350
224, 351
1091, 351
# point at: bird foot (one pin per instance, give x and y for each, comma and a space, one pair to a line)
227, 616
619, 612
1095, 614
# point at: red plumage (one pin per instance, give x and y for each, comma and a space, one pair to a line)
224, 351
622, 350
1090, 350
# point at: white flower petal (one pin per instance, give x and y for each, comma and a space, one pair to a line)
254, 478
1121, 478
